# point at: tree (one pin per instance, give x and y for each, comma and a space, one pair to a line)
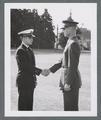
48, 36
42, 25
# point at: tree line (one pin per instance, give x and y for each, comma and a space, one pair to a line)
22, 19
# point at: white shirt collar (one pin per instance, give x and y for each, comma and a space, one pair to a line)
25, 44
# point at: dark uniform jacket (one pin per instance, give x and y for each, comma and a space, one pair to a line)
70, 73
27, 70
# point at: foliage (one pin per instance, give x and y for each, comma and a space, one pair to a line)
83, 34
42, 25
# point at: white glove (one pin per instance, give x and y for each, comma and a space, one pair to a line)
67, 87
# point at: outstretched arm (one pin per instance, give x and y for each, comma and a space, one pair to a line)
56, 67
52, 69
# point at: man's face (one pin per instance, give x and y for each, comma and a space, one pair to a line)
27, 39
67, 31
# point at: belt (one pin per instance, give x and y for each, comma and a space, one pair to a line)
64, 67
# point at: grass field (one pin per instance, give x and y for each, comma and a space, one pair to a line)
47, 96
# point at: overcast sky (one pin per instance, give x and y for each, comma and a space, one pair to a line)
84, 13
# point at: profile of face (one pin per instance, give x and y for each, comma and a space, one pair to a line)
69, 30
27, 39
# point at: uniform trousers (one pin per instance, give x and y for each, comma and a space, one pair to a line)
71, 99
25, 100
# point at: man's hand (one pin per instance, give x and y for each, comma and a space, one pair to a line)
67, 87
45, 72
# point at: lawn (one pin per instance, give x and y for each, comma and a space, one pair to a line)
47, 95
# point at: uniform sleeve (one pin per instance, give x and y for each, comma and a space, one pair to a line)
56, 67
38, 71
74, 61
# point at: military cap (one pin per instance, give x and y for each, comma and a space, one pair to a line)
27, 32
69, 22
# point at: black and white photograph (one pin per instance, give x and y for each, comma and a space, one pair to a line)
50, 59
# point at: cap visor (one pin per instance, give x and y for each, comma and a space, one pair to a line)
33, 35
66, 21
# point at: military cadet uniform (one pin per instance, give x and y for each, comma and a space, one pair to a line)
27, 71
69, 73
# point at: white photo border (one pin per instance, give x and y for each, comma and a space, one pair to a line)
7, 87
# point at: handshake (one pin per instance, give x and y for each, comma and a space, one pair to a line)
45, 72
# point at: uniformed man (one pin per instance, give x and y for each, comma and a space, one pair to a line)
70, 81
27, 70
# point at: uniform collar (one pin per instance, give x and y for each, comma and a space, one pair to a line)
70, 41
25, 45
74, 38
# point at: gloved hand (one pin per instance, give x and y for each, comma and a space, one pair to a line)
67, 87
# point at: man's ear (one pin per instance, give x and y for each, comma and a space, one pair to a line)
21, 38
